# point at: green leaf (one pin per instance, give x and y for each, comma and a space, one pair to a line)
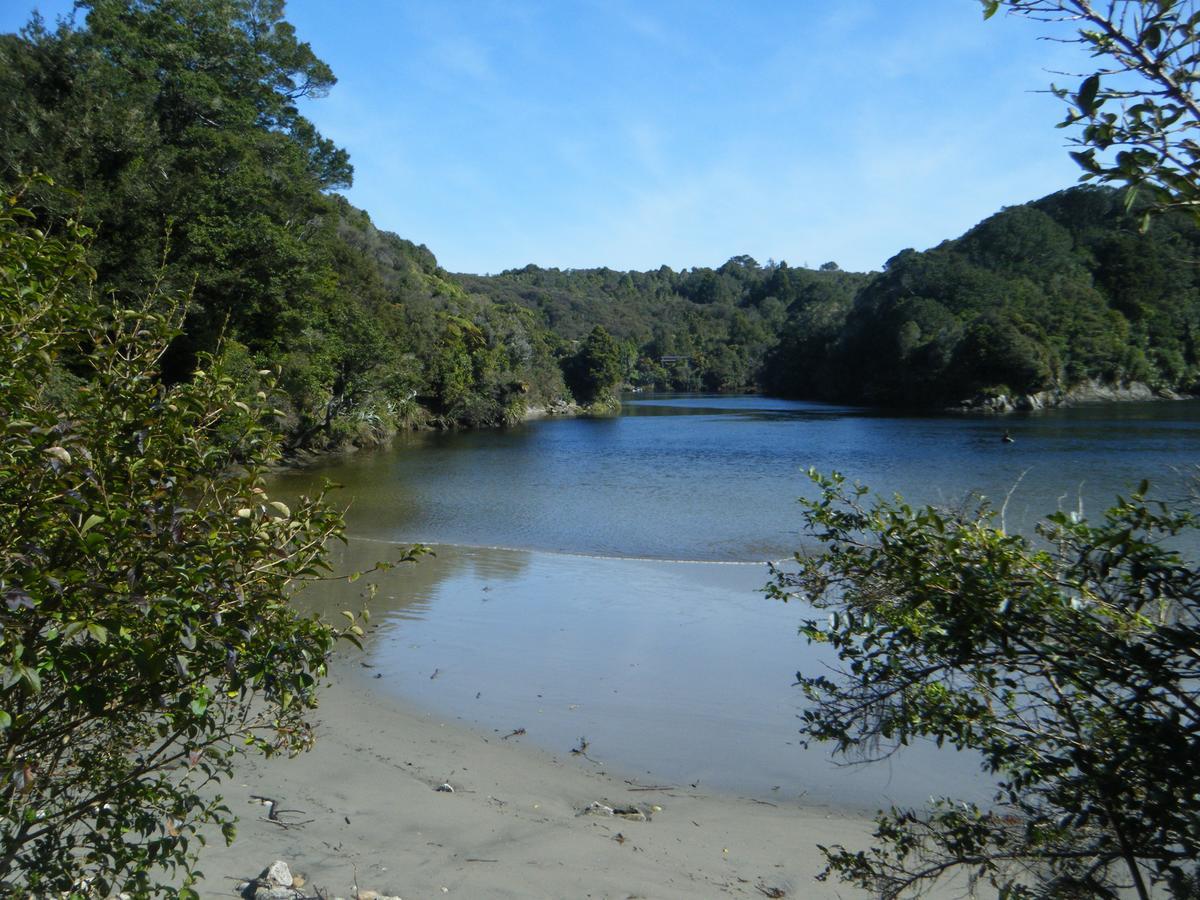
1086, 98
31, 677
1086, 160
91, 522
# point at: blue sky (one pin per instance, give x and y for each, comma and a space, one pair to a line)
637, 133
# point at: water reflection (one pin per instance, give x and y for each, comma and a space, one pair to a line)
681, 671
672, 671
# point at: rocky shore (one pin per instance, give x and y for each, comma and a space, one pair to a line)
1091, 391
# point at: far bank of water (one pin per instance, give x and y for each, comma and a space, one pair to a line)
619, 600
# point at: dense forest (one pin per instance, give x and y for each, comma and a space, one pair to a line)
699, 329
173, 129
1039, 297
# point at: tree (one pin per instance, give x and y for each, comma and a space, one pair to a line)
173, 128
1071, 667
994, 353
146, 633
595, 370
177, 121
1139, 110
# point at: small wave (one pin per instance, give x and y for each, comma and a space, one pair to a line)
572, 554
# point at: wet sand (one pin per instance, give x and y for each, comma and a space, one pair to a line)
451, 668
673, 671
511, 828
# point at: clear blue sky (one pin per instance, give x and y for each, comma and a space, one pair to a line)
633, 133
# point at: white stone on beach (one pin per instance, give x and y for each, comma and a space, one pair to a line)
279, 874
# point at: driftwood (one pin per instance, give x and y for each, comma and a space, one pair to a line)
274, 812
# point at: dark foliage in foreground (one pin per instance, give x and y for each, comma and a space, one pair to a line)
147, 634
1069, 664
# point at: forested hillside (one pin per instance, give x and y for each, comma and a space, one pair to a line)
700, 329
1038, 297
172, 128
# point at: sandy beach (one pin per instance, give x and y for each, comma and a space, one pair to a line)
427, 702
371, 815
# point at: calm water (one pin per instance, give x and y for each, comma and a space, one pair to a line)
716, 478
600, 578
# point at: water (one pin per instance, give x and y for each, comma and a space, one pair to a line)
716, 478
600, 578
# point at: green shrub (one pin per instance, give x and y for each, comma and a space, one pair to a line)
146, 631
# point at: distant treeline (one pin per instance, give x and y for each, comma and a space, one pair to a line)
697, 330
172, 127
1040, 296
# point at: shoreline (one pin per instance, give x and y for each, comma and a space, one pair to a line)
567, 554
695, 687
513, 827
367, 812
362, 812
304, 457
1088, 393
